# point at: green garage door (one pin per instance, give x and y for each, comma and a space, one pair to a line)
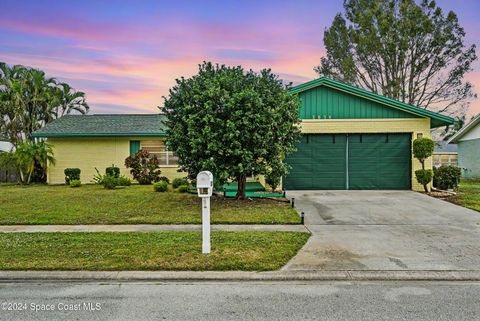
354, 161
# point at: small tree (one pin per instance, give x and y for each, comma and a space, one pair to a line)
423, 149
231, 122
144, 167
28, 155
274, 173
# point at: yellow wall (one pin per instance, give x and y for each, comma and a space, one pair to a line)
90, 152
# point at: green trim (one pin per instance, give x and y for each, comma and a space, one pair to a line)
99, 135
439, 119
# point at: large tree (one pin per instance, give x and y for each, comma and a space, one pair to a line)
231, 122
29, 100
411, 52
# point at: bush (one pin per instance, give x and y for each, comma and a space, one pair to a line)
423, 148
424, 176
183, 188
447, 177
75, 183
71, 174
113, 171
124, 181
164, 179
110, 182
161, 186
179, 181
144, 168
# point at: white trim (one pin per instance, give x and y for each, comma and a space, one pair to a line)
465, 129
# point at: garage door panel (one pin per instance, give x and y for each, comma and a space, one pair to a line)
375, 161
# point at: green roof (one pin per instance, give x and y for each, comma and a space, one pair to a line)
104, 126
437, 119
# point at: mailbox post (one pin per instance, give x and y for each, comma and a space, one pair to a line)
205, 189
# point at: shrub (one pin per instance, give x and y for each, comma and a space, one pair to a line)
124, 181
424, 176
75, 183
183, 188
164, 179
447, 177
423, 149
144, 168
71, 174
98, 178
110, 182
161, 186
113, 171
179, 181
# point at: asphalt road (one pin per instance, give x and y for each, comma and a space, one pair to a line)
242, 301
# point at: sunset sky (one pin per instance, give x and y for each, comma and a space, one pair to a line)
126, 54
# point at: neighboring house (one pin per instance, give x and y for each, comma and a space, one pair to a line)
445, 154
468, 140
5, 145
352, 139
99, 141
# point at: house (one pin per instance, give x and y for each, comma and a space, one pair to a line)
468, 140
445, 154
352, 139
98, 141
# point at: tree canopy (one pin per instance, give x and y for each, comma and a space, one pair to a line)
29, 100
231, 122
410, 52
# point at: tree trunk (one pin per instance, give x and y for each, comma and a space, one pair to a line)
242, 180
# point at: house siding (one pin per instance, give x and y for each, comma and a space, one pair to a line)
468, 158
90, 153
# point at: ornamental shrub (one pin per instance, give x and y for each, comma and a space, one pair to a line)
164, 178
161, 186
183, 188
113, 171
71, 174
447, 177
75, 183
124, 181
144, 167
424, 177
423, 149
110, 182
179, 181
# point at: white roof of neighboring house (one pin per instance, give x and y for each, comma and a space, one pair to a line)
469, 131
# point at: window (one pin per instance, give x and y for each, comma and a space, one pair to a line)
158, 148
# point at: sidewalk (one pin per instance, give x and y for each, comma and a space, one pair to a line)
147, 228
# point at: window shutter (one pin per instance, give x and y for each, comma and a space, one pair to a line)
134, 146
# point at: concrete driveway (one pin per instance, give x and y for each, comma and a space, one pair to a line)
385, 230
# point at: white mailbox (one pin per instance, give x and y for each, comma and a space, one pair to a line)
205, 190
205, 184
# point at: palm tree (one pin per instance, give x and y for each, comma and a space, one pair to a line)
29, 154
29, 100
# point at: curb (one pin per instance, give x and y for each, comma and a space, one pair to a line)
125, 276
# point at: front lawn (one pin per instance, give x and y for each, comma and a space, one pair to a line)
136, 204
248, 251
468, 194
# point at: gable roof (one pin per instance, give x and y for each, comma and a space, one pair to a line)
437, 119
104, 126
465, 129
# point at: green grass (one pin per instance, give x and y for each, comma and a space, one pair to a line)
136, 204
468, 194
248, 251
